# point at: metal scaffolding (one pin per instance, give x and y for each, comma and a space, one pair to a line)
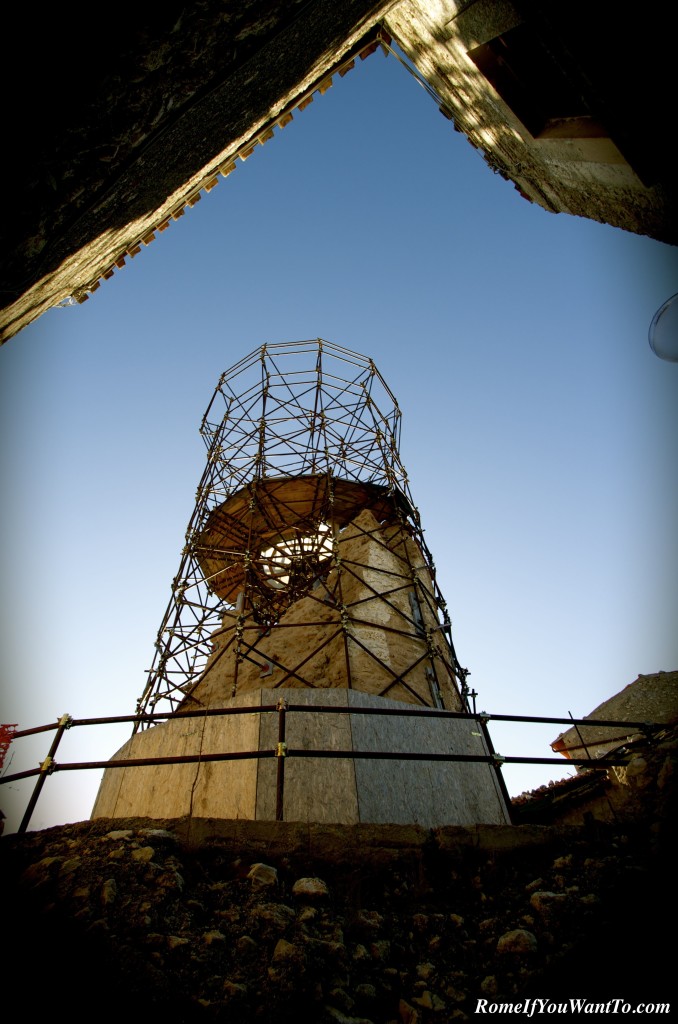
301, 438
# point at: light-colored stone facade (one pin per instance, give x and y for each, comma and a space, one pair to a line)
371, 625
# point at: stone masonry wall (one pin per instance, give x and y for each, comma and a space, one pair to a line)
369, 593
263, 922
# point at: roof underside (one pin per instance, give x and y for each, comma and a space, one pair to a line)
136, 116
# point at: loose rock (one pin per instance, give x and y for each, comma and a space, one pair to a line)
262, 876
517, 941
311, 889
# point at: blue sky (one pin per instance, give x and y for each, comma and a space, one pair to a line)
539, 429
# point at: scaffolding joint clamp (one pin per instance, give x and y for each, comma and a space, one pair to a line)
65, 721
47, 766
281, 750
483, 717
498, 760
281, 705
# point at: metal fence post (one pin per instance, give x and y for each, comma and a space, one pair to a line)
497, 761
45, 768
281, 754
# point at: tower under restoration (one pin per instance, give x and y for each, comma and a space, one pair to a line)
304, 581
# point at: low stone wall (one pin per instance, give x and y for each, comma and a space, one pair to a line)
199, 920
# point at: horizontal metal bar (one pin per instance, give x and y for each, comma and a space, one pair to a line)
240, 755
438, 713
29, 774
576, 721
374, 755
345, 710
163, 715
33, 732
159, 716
408, 712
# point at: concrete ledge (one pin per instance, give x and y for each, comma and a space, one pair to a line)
341, 844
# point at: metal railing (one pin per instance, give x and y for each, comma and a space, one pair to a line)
281, 751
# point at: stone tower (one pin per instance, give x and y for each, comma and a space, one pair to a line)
306, 599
